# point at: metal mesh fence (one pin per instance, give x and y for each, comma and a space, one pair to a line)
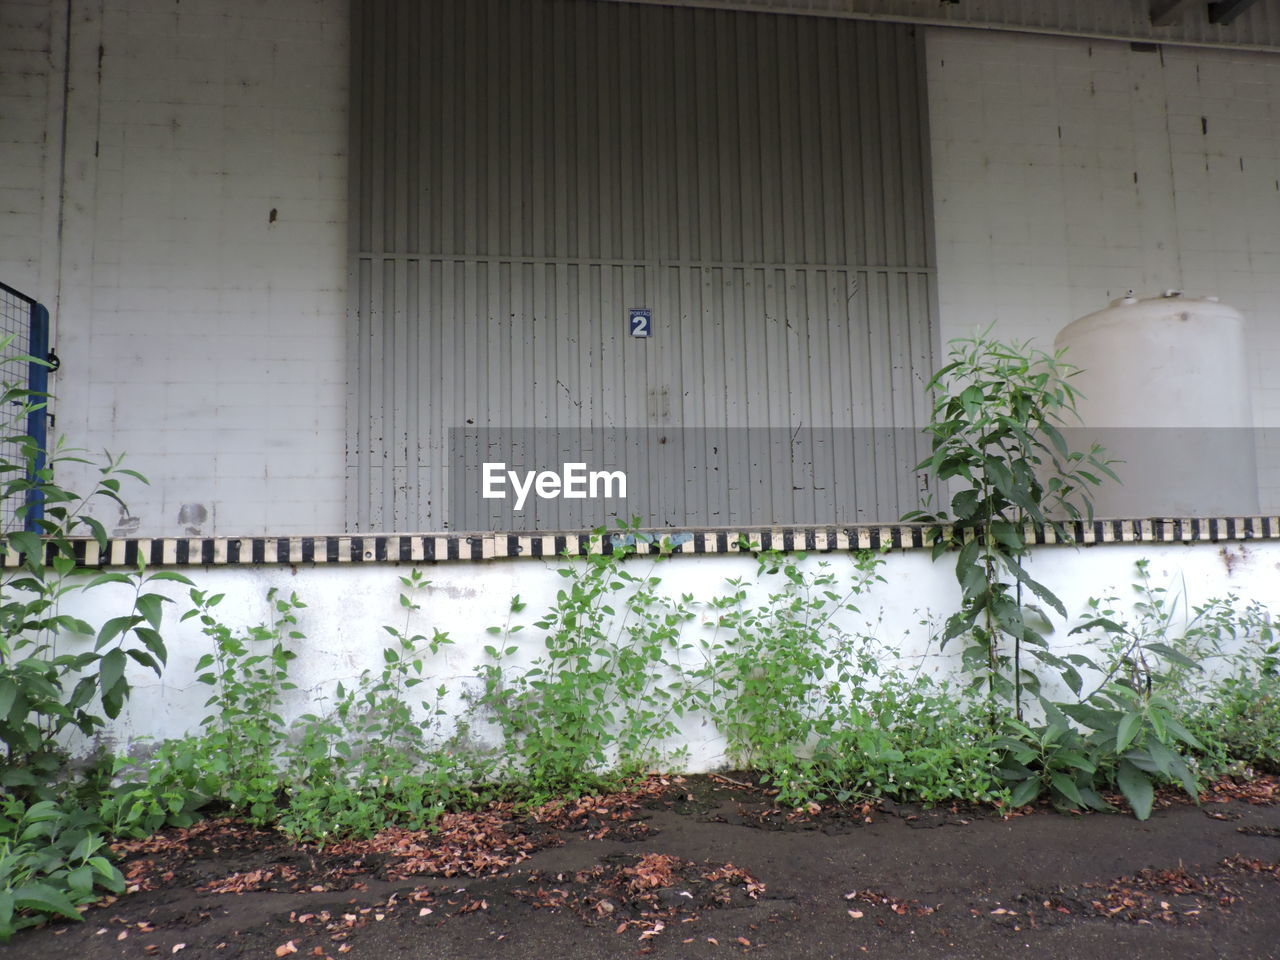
22, 333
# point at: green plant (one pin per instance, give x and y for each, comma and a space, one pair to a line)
1239, 723
1214, 667
167, 787
1053, 759
771, 671
370, 761
603, 695
821, 712
896, 735
59, 676
995, 432
249, 673
51, 862
46, 689
1137, 726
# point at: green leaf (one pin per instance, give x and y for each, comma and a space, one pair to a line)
1165, 759
1038, 589
27, 543
1092, 717
1025, 792
111, 670
1129, 726
109, 577
1143, 760
113, 628
1075, 759
1187, 778
42, 897
1173, 656
1055, 437
1009, 535
75, 625
152, 640
1071, 676
1100, 623
1136, 787
1067, 787
169, 575
80, 879
98, 530
1176, 728
151, 606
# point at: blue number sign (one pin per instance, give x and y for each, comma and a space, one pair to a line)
641, 322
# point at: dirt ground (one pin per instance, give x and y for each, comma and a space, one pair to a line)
706, 867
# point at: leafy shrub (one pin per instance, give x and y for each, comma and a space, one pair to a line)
996, 434
1238, 717
1241, 724
59, 676
906, 738
374, 758
771, 671
249, 674
605, 693
365, 763
51, 862
167, 786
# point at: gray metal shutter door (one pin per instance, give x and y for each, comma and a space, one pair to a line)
523, 172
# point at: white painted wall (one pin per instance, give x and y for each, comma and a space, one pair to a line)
197, 335
349, 604
1067, 172
208, 343
28, 94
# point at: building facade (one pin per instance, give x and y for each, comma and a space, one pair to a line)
299, 254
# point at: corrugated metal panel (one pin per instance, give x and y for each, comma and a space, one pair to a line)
524, 172
1258, 27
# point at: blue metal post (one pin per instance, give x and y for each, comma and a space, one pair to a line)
38, 420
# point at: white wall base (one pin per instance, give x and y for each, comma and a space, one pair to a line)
348, 605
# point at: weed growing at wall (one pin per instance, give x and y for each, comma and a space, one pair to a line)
374, 758
996, 436
249, 675
899, 736
1240, 724
1134, 726
814, 708
59, 676
996, 433
604, 695
367, 761
824, 713
772, 670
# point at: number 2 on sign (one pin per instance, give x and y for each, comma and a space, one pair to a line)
641, 323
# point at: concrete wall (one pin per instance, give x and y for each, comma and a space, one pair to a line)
1067, 172
349, 604
207, 340
190, 239
29, 95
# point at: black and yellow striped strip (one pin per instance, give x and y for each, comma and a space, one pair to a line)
433, 548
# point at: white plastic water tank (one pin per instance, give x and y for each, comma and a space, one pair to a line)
1165, 388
